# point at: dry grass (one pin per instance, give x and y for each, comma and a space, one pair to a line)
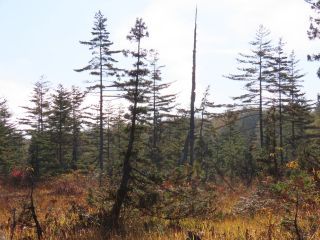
58, 202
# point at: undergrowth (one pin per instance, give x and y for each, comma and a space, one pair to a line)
68, 208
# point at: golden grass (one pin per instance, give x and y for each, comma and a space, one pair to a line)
54, 199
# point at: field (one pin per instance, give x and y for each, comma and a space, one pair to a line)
65, 211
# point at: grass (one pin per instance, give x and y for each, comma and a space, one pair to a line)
59, 201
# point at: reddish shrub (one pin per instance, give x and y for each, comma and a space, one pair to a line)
19, 177
16, 176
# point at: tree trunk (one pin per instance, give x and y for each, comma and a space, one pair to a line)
193, 94
112, 221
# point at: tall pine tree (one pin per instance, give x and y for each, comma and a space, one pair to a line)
254, 70
100, 65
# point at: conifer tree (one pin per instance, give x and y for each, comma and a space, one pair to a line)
233, 148
278, 82
100, 65
61, 124
254, 71
205, 117
9, 139
296, 107
119, 126
109, 123
271, 139
161, 105
314, 29
77, 120
135, 90
36, 125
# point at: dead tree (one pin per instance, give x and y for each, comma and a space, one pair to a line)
193, 94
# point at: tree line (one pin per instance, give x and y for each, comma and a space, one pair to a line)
268, 126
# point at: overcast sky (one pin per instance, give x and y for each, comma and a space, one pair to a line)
41, 37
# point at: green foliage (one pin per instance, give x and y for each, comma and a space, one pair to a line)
279, 187
12, 150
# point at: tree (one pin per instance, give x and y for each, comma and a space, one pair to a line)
109, 122
120, 127
161, 105
77, 119
296, 107
314, 29
60, 123
100, 65
278, 79
232, 146
135, 91
271, 140
10, 140
193, 94
36, 122
205, 114
254, 71
190, 139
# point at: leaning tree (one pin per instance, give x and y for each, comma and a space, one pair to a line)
135, 90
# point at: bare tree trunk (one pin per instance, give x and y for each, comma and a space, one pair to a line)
193, 94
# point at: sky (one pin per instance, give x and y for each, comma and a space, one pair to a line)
41, 37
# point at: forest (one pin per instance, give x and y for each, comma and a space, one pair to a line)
121, 159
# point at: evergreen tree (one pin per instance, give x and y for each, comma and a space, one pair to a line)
271, 140
296, 107
254, 70
233, 147
100, 65
91, 140
278, 79
10, 141
110, 125
77, 120
161, 106
206, 116
120, 136
61, 124
314, 29
135, 91
36, 125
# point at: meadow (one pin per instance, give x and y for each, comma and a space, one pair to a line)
66, 210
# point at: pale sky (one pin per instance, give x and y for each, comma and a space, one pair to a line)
41, 37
